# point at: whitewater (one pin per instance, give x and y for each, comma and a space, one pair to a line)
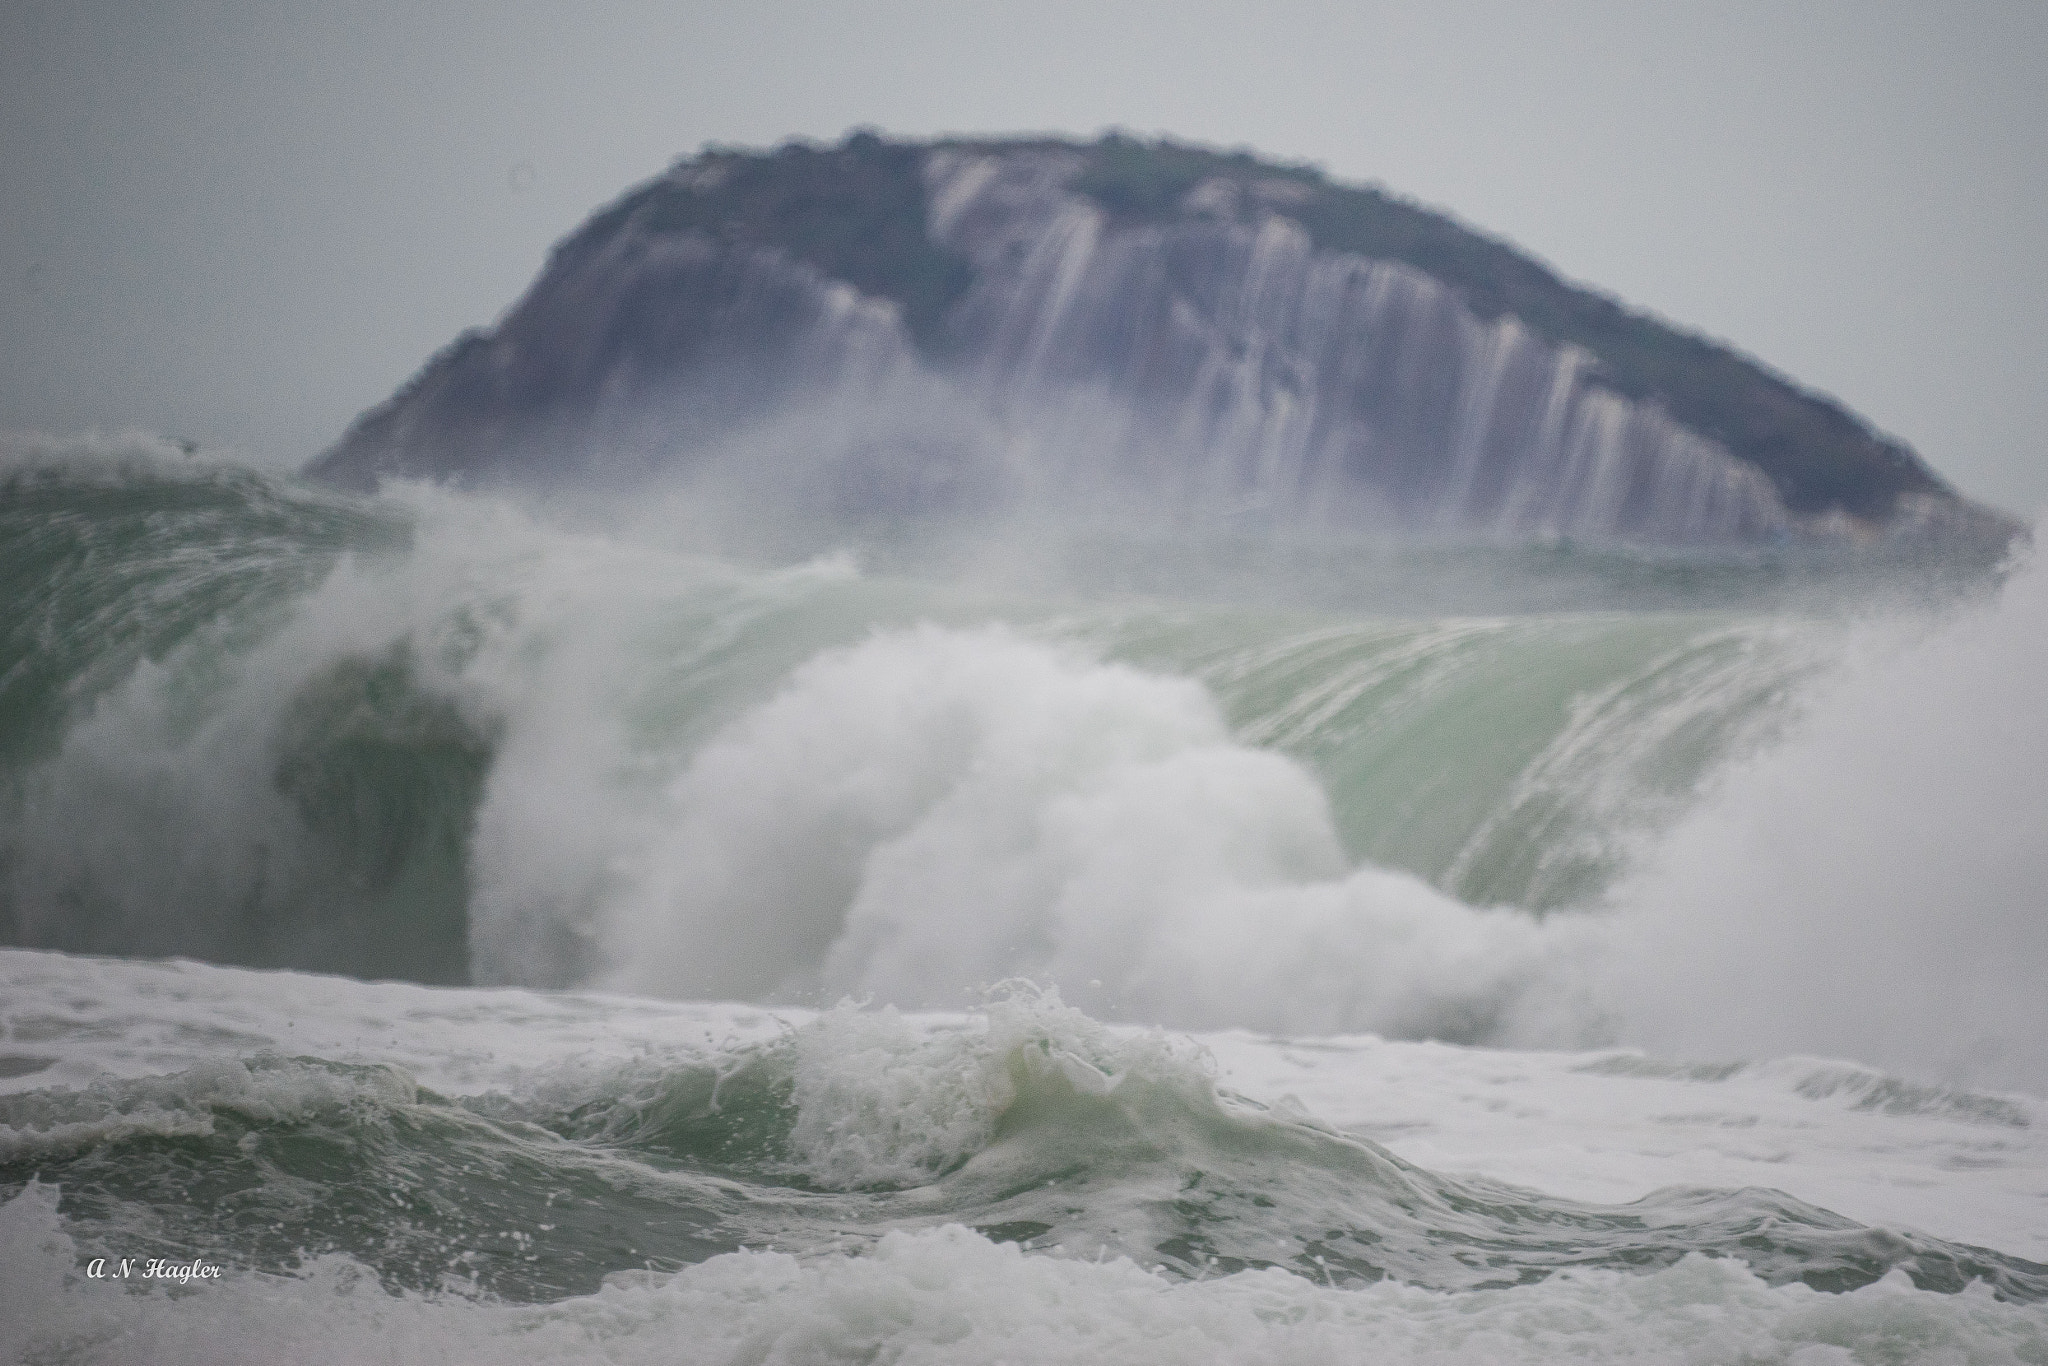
492, 931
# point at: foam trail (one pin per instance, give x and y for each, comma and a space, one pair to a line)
948, 1294
1877, 886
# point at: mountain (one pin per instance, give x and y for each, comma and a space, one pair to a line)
971, 322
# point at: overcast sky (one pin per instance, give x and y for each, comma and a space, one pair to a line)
243, 221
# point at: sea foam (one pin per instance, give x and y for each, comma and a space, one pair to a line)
949, 1295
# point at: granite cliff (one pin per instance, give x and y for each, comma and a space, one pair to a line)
973, 322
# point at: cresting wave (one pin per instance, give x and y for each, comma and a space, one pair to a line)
857, 1185
439, 741
1033, 1124
430, 737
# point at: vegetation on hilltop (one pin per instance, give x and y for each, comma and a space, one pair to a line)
856, 211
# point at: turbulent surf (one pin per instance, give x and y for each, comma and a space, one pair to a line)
881, 942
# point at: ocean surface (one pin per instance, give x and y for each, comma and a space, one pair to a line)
492, 932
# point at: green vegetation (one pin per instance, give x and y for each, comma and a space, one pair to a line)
856, 212
1140, 182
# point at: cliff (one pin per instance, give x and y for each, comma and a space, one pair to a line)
1203, 330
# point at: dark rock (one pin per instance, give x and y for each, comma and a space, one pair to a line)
1200, 333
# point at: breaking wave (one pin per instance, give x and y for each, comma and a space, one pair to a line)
430, 736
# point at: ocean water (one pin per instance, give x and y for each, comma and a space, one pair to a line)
487, 932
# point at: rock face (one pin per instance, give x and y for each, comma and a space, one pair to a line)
1201, 333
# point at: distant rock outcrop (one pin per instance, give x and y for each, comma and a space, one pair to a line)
1204, 330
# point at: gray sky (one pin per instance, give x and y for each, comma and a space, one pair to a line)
243, 221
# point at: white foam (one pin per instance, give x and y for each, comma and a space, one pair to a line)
87, 1018
1873, 887
936, 809
1612, 1127
184, 1104
948, 1295
883, 1099
163, 802
886, 1098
